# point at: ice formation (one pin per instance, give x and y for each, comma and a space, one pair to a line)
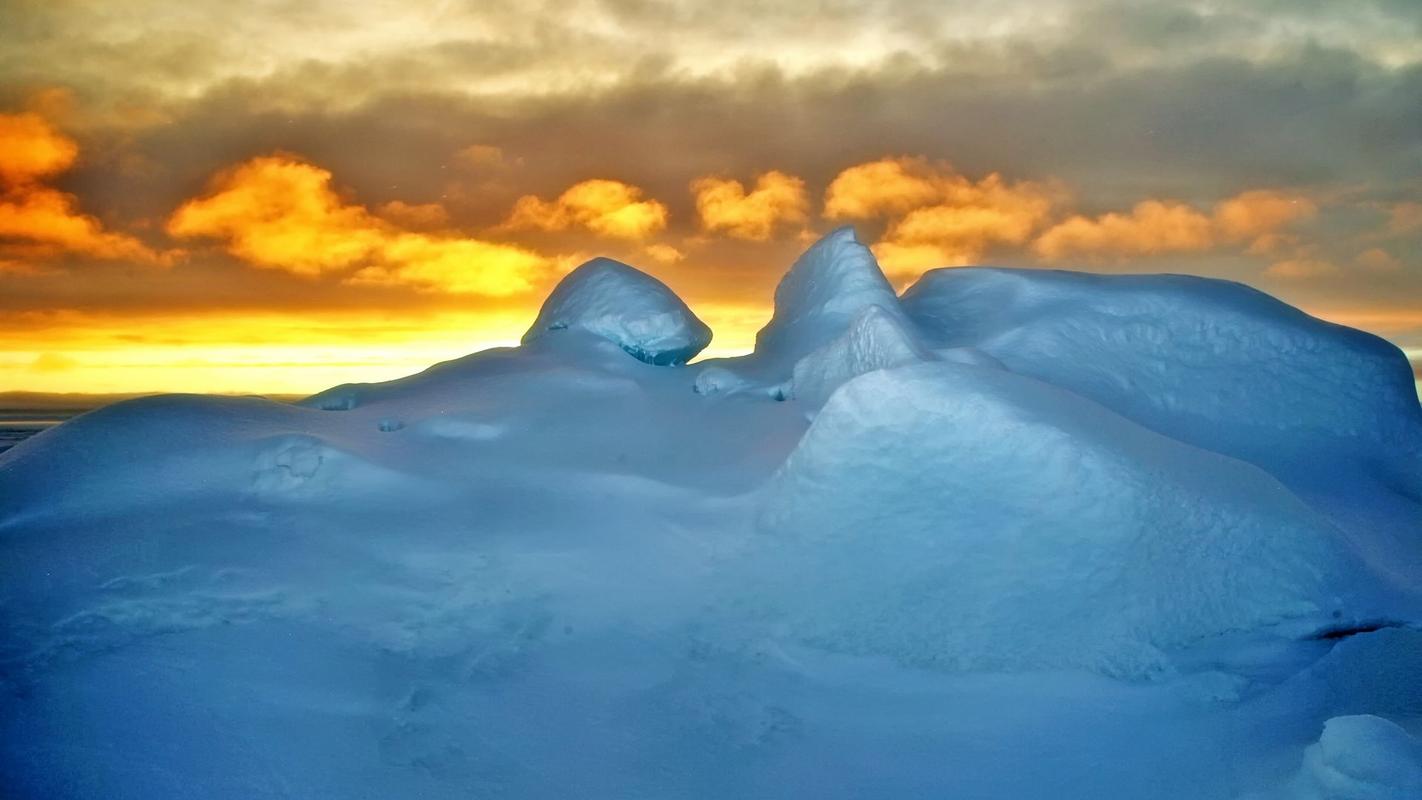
1047, 534
1004, 523
875, 340
1362, 757
1206, 361
833, 284
628, 308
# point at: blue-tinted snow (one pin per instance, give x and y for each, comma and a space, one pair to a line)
1047, 535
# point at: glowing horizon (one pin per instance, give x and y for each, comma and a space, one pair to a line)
224, 211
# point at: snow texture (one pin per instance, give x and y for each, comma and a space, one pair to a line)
826, 290
1206, 361
628, 308
1362, 757
1004, 523
875, 340
1047, 535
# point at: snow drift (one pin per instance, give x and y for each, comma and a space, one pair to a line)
1004, 523
1017, 534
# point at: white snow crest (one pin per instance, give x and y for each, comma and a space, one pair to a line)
629, 308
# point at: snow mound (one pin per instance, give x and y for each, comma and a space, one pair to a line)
828, 287
1361, 757
963, 517
876, 339
1206, 361
552, 570
626, 307
825, 289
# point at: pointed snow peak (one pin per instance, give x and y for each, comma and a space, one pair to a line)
825, 289
626, 307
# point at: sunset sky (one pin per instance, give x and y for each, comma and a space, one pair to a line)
265, 196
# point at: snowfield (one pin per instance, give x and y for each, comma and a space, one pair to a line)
1015, 534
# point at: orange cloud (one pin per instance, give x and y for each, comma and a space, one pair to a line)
1376, 259
415, 215
1301, 268
39, 221
1260, 212
887, 187
1405, 218
663, 253
938, 216
30, 149
1153, 227
724, 205
280, 212
605, 207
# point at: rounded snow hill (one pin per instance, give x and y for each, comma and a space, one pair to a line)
967, 518
633, 310
1361, 757
1207, 361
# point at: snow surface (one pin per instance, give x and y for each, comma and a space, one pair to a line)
1033, 528
629, 308
1046, 535
875, 340
825, 291
1362, 757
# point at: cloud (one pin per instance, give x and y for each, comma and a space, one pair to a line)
415, 215
724, 206
938, 216
38, 221
1376, 259
280, 212
484, 157
605, 207
31, 149
1153, 227
887, 187
1404, 218
1302, 268
1260, 212
663, 253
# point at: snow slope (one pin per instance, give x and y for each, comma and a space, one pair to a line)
1021, 534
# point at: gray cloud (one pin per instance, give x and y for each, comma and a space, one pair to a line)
1190, 100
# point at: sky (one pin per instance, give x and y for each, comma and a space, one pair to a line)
267, 196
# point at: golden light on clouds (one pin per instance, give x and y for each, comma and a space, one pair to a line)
604, 207
30, 149
777, 201
40, 222
280, 212
283, 213
1153, 227
1260, 212
460, 156
1150, 227
937, 216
